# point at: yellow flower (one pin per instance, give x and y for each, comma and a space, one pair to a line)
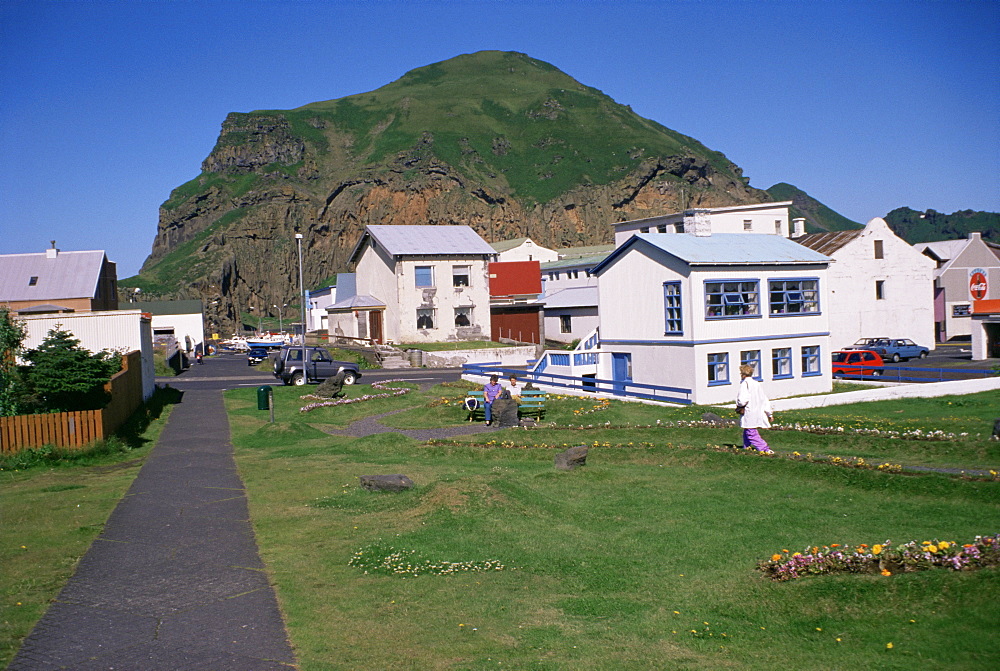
877, 550
888, 646
932, 548
944, 545
886, 572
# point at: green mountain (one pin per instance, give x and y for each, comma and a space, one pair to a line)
499, 141
819, 218
930, 226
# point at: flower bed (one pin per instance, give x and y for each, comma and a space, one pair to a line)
387, 560
325, 403
883, 558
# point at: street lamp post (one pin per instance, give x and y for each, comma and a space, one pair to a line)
280, 322
302, 298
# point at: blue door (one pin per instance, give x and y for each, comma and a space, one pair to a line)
621, 370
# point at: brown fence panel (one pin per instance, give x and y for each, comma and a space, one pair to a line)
76, 429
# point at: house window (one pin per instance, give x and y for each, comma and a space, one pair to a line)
879, 252
565, 323
747, 224
460, 276
810, 360
777, 226
781, 363
672, 308
644, 229
463, 316
678, 228
662, 228
880, 290
731, 299
425, 318
751, 358
424, 276
718, 368
794, 297
33, 280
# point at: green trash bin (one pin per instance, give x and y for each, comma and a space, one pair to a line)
263, 397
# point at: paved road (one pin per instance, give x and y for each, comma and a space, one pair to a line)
175, 580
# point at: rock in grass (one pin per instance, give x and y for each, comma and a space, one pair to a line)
715, 419
571, 458
996, 429
385, 483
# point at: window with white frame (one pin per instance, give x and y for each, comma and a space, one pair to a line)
751, 357
565, 323
732, 299
810, 360
718, 368
424, 276
460, 276
463, 316
672, 308
425, 318
794, 296
781, 362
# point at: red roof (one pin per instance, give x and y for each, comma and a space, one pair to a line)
515, 278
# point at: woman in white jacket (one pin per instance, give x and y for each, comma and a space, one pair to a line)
756, 410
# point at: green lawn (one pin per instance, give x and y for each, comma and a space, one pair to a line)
642, 559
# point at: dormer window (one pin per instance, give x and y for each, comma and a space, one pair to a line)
33, 280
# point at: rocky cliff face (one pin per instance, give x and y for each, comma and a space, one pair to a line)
227, 237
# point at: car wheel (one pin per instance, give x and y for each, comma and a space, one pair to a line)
923, 355
298, 379
895, 357
876, 373
350, 378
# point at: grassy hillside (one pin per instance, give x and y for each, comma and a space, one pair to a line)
929, 226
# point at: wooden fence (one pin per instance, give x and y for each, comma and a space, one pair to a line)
77, 429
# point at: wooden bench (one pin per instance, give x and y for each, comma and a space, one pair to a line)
532, 403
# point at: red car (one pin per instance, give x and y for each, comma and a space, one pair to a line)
857, 362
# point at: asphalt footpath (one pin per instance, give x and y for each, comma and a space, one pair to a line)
174, 582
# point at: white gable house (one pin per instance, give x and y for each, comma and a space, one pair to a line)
879, 285
424, 283
685, 311
761, 218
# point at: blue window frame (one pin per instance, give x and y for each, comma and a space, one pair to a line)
734, 298
794, 296
718, 368
810, 360
781, 363
672, 308
752, 358
424, 276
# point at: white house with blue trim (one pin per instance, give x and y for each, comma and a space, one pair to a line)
685, 311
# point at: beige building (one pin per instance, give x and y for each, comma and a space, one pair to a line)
54, 282
967, 271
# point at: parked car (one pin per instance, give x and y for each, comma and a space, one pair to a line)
865, 343
319, 366
894, 349
857, 362
255, 355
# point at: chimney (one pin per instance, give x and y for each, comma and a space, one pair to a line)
976, 236
698, 223
798, 228
53, 252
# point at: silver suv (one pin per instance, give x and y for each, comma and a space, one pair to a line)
319, 366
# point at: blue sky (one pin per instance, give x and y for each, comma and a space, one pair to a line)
105, 107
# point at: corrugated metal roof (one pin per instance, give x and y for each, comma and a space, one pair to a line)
724, 249
576, 261
827, 243
504, 245
67, 275
571, 297
355, 302
590, 250
424, 240
188, 307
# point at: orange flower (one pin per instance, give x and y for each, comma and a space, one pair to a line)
886, 572
775, 557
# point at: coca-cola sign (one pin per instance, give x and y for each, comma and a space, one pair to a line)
977, 284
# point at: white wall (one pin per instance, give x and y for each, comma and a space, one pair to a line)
443, 298
908, 308
116, 330
529, 251
583, 320
190, 326
764, 218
